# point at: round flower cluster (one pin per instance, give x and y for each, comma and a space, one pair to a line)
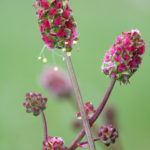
56, 82
108, 134
57, 25
35, 103
89, 110
124, 56
54, 143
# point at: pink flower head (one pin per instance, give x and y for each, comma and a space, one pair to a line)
66, 14
58, 4
125, 56
107, 57
54, 143
46, 24
56, 82
108, 134
89, 110
44, 4
40, 13
52, 12
57, 23
35, 103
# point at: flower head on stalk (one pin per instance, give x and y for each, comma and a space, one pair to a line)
56, 82
54, 143
89, 110
123, 58
108, 134
57, 25
35, 103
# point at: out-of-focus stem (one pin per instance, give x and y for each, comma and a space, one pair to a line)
44, 124
96, 114
79, 101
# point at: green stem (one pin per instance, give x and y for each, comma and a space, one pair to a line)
80, 103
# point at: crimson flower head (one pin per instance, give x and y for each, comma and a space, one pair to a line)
56, 82
54, 143
35, 103
124, 57
57, 25
108, 134
89, 110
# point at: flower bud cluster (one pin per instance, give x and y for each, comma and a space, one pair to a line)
57, 25
123, 58
56, 82
108, 134
89, 110
54, 143
35, 103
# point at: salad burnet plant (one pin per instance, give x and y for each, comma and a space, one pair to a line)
58, 30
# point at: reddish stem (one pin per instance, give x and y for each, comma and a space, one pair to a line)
96, 114
86, 142
44, 124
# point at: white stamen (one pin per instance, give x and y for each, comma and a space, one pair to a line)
44, 60
75, 42
68, 53
39, 58
43, 50
66, 43
64, 49
56, 68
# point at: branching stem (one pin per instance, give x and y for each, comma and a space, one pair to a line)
96, 114
79, 101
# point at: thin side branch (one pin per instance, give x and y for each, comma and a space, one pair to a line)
44, 124
96, 114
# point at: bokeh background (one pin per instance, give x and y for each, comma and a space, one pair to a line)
99, 23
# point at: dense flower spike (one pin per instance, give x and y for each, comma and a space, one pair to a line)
89, 110
108, 134
56, 82
54, 143
124, 56
35, 103
57, 25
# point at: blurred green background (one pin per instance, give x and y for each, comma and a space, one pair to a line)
99, 23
